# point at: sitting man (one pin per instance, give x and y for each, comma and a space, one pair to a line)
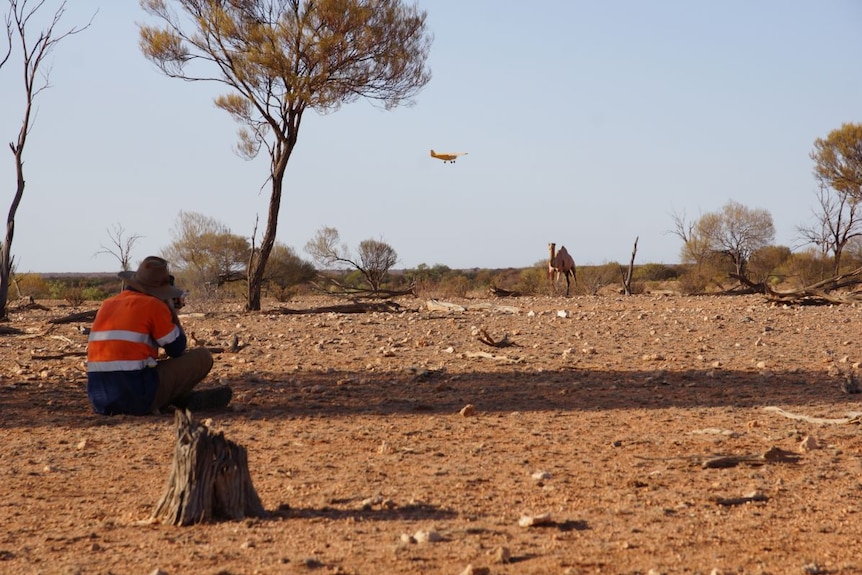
123, 374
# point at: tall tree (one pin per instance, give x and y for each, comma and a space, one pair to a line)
121, 246
19, 26
376, 257
285, 270
205, 251
838, 170
838, 222
838, 160
738, 231
278, 58
735, 232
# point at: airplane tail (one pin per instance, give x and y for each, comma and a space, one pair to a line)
433, 153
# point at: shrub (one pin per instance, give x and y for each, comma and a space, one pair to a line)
767, 262
654, 272
808, 268
456, 286
592, 278
29, 285
74, 295
532, 281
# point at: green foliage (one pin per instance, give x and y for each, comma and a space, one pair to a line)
425, 279
768, 262
694, 281
279, 59
78, 289
654, 272
30, 285
285, 271
74, 295
354, 279
441, 281
734, 233
375, 257
592, 278
712, 274
458, 285
531, 281
807, 268
204, 254
838, 160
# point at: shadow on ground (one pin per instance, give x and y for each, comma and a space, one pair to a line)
342, 394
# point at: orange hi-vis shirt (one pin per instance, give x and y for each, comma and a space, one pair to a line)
128, 330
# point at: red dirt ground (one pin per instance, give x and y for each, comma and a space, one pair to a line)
602, 422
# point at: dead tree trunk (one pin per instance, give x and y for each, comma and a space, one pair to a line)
209, 478
627, 276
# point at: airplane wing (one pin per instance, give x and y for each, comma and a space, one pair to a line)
447, 156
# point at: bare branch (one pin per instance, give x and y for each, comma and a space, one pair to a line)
279, 58
837, 223
8, 22
18, 21
121, 247
681, 229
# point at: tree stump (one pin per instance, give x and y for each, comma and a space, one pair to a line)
209, 478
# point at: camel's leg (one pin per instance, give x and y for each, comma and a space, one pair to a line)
574, 279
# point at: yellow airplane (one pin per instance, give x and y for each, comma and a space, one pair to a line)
449, 157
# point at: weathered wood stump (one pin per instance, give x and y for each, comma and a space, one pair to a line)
209, 478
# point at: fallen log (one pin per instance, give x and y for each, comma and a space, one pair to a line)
822, 292
357, 293
500, 292
851, 417
486, 338
818, 293
383, 306
89, 315
209, 478
434, 305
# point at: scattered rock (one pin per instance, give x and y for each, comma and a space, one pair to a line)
502, 555
468, 410
427, 537
535, 520
384, 448
808, 444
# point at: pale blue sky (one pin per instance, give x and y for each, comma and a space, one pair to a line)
587, 124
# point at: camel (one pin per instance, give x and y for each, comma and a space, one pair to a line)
560, 262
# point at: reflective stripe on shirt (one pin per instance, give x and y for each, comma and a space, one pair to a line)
128, 365
175, 333
123, 335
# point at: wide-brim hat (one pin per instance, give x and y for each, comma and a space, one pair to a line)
152, 278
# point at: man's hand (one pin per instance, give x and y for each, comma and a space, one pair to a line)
174, 317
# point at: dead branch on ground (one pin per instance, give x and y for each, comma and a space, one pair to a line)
500, 292
72, 318
357, 294
486, 338
358, 307
826, 291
